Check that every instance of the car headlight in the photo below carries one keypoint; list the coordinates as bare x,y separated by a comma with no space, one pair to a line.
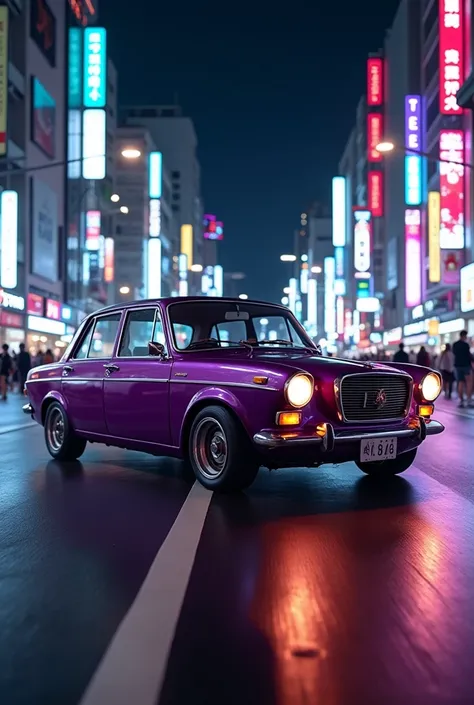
430,387
299,390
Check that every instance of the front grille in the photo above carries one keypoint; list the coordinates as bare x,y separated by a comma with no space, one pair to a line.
374,397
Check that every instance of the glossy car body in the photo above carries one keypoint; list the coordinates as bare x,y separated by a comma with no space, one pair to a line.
148,398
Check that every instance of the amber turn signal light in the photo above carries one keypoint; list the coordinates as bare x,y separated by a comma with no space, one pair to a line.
425,410
260,380
288,418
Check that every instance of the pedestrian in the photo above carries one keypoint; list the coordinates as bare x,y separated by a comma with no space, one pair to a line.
48,357
24,366
401,355
463,369
412,357
5,371
423,358
446,367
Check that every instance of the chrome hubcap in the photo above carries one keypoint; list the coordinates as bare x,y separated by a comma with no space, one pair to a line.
55,430
209,448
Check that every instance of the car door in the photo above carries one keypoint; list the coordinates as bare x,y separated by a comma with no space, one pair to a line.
136,386
83,374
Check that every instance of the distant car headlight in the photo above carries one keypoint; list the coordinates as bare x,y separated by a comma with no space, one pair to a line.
299,390
430,387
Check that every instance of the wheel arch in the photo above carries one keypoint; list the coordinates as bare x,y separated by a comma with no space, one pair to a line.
49,399
202,402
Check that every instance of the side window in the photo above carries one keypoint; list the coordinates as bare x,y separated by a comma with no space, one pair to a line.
105,333
141,327
83,349
230,330
183,335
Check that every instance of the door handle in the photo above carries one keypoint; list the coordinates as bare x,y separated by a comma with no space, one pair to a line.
67,369
109,368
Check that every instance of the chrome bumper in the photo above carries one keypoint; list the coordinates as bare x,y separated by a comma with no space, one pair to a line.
27,409
331,439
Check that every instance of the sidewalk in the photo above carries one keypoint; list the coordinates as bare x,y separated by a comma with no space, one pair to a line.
451,407
11,414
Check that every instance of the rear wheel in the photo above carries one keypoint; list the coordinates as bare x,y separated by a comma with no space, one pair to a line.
61,441
388,468
220,452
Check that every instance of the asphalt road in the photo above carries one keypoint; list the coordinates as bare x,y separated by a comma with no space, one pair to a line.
121,583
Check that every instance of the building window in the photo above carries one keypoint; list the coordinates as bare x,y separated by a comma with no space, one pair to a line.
176,185
430,20
176,196
175,174
175,208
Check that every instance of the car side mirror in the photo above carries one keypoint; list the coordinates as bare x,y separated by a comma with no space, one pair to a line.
156,349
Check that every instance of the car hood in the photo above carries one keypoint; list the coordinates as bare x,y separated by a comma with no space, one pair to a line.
324,368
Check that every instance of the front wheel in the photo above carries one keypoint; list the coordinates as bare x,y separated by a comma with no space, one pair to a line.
61,441
220,452
387,468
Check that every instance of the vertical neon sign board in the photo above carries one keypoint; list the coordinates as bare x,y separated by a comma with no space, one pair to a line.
451,55
374,81
329,295
413,162
412,257
374,136
95,67
375,193
362,240
451,186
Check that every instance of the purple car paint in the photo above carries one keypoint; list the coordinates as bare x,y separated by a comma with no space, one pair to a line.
209,380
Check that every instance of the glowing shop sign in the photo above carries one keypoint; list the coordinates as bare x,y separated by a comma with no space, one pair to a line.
155,174
154,229
329,295
467,288
93,144
413,162
374,81
451,184
339,217
9,239
374,136
95,67
434,254
412,257
451,55
362,240
375,193
93,231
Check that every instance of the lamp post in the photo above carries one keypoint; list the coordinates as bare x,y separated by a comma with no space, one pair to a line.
387,147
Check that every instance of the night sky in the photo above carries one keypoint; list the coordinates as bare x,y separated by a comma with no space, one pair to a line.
272,95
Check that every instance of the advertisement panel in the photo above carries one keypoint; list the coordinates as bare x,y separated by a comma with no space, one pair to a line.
467,288
74,137
451,55
412,257
413,162
109,260
43,118
95,67
3,79
362,239
375,193
187,242
53,309
75,68
434,254
9,239
413,180
392,264
374,81
44,230
339,258
451,264
43,29
93,144
329,295
374,136
93,226
155,174
35,304
451,185
339,212
154,217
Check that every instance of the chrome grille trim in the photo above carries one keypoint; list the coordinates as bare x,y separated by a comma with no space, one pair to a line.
370,382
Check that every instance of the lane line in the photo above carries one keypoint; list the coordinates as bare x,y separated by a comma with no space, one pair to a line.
133,668
19,427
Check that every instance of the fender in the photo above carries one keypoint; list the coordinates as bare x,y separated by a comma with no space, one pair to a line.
56,396
219,395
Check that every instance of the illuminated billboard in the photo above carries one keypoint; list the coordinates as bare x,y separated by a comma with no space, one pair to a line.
109,260
75,68
329,295
155,174
93,231
9,239
339,216
374,136
154,217
93,144
412,257
339,257
434,255
375,193
451,186
95,67
362,239
154,268
374,81
213,228
187,242
467,288
413,162
451,55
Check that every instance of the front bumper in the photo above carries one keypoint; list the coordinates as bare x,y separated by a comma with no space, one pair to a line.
329,439
28,409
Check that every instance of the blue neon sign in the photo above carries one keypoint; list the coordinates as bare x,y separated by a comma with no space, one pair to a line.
75,68
413,180
95,67
155,173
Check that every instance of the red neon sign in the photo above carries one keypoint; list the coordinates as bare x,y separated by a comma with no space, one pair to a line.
374,82
374,136
109,260
451,55
53,309
375,192
451,188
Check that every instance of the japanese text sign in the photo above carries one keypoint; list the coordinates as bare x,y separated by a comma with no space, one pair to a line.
451,55
95,67
451,186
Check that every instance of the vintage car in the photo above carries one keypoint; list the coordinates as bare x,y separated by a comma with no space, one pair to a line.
229,386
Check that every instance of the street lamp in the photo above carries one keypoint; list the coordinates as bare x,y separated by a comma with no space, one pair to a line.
243,296
131,153
124,209
288,258
385,147
196,268
115,198
316,270
388,146
124,290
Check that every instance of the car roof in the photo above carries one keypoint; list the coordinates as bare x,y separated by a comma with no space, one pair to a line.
182,299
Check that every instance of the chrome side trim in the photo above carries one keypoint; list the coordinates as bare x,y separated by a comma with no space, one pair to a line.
337,390
44,379
215,383
136,379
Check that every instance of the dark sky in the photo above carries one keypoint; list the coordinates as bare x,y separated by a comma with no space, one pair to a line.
272,94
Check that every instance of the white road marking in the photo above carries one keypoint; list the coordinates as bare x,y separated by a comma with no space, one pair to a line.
134,666
18,427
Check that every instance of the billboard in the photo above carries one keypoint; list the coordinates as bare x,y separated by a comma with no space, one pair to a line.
374,81
93,144
375,193
451,55
43,118
43,29
155,174
467,288
154,217
374,136
362,239
451,265
9,239
44,230
339,215
451,186
95,67
3,79
412,257
153,268
434,255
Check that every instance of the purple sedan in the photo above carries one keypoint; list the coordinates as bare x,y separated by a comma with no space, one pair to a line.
228,385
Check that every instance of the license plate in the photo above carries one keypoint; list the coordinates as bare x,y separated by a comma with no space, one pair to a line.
373,450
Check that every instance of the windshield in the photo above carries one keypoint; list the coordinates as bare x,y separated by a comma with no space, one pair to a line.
211,324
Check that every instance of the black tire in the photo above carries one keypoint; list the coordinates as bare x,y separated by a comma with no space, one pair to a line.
220,452
388,468
61,441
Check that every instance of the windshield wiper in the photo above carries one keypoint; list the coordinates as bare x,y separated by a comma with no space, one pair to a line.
316,350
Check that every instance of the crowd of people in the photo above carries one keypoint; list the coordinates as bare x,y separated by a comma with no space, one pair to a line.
14,367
